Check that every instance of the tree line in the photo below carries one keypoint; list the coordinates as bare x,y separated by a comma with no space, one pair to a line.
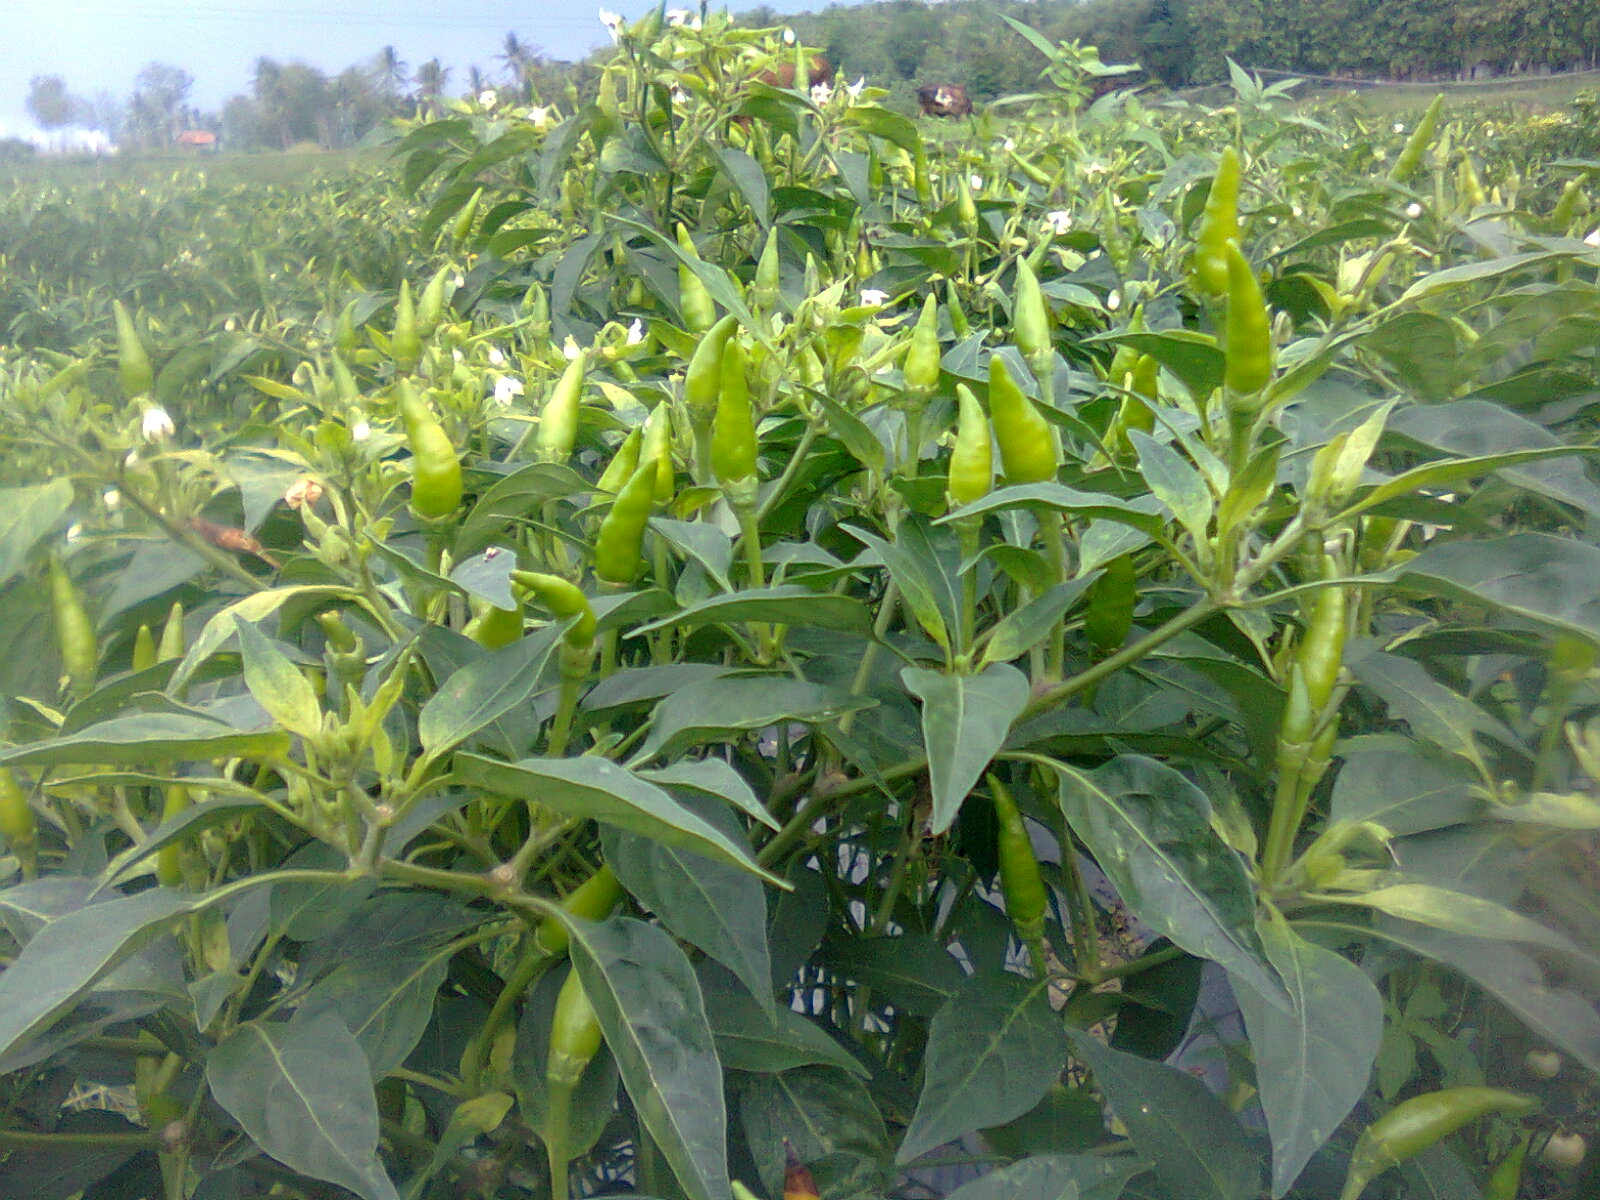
897,44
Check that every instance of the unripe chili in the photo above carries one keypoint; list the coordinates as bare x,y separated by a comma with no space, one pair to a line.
462,229
1219,225
133,361
1505,1181
695,304
1112,597
767,272
144,650
959,325
1420,1122
435,466
19,825
618,549
656,449
1410,156
1566,208
75,636
172,644
967,208
564,599
558,421
430,307
1321,651
496,627
702,380
1030,315
575,1038
169,859
921,368
623,463
733,438
1020,882
405,344
972,457
593,900
1247,337
1028,451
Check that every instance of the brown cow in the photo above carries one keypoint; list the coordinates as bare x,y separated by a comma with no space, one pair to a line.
820,70
945,100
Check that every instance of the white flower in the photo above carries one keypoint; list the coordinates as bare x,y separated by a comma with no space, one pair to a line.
488,98
74,531
303,493
1594,238
679,96
1009,145
677,16
1296,210
460,280
230,324
360,431
1399,126
821,93
506,389
457,356
872,296
570,349
613,23
1413,210
497,357
788,37
636,332
538,115
1092,169
156,425
1059,221
113,499
975,182
855,89
1114,301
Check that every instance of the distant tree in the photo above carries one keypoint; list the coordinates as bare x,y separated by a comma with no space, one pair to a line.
391,75
430,79
520,58
51,105
156,108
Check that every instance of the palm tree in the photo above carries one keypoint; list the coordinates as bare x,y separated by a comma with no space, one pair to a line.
430,80
390,74
519,57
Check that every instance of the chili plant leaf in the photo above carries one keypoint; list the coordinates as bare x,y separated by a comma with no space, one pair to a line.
965,719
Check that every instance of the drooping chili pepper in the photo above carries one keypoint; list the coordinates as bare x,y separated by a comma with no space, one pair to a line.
1112,597
1469,188
405,343
558,420
169,859
1030,317
733,437
972,456
921,368
1410,156
1414,1125
172,643
593,900
1247,336
1020,882
618,548
19,825
435,466
144,650
1028,451
563,598
698,309
1505,1181
75,636
623,463
133,361
575,1038
496,627
1219,225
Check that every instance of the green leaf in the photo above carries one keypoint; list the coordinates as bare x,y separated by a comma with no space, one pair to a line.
1197,1148
1477,272
1150,830
385,1000
151,737
994,1049
649,1004
596,789
253,609
750,178
768,1043
911,970
1434,712
1313,1061
1053,1177
1457,912
1546,578
302,1091
787,604
199,817
511,499
1403,785
831,1118
1024,628
1142,512
27,516
925,587
712,777
965,720
1175,483
1194,359
714,709
277,684
486,689
719,909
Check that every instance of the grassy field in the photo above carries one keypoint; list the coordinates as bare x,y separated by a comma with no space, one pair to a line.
289,166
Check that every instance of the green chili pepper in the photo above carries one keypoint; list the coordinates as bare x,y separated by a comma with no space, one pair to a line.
496,627
966,208
19,825
1030,317
1505,1181
593,900
1219,225
657,449
345,337
144,650
558,421
435,466
921,369
133,361
575,1038
1561,216
618,549
1112,597
75,636
1469,188
405,344
1321,651
623,463
959,325
1247,337
563,598
1410,156
694,301
1420,1122
430,307
1028,451
702,380
171,645
767,272
462,229
733,438
169,859
972,456
1020,881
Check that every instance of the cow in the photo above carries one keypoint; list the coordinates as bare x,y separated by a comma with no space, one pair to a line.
945,100
818,71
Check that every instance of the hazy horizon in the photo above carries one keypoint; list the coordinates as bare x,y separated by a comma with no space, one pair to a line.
101,45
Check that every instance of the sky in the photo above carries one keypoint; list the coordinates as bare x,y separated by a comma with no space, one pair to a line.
100,45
